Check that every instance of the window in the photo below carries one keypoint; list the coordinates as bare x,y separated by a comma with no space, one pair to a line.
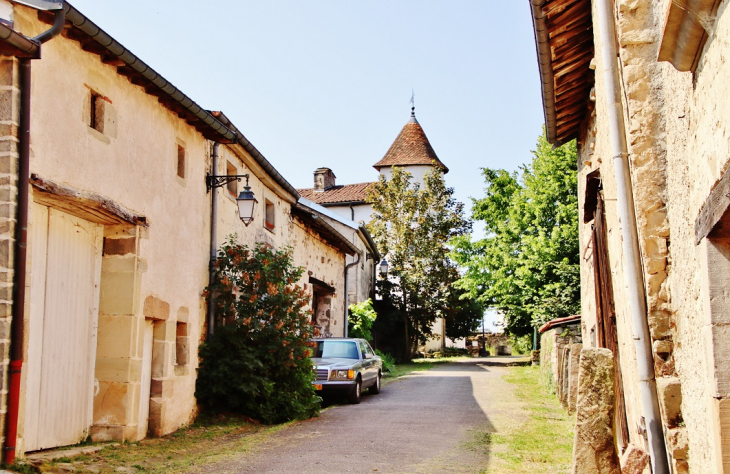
96,112
181,345
181,161
270,215
232,185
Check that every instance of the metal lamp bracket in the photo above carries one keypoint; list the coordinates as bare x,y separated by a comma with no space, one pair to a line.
212,182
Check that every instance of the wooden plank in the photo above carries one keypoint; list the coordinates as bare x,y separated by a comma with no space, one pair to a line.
713,220
72,272
37,295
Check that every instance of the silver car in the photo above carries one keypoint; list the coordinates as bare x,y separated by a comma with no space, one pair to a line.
346,365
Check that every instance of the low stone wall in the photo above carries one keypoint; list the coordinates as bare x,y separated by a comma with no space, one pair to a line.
559,358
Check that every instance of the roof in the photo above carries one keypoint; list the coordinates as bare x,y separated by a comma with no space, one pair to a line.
556,323
345,194
564,38
324,229
411,147
212,125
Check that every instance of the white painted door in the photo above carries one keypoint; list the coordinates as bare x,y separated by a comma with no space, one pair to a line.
64,302
144,393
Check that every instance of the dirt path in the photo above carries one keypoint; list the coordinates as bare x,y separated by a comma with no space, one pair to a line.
426,422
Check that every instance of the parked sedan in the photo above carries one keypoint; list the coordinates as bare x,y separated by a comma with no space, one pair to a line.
346,365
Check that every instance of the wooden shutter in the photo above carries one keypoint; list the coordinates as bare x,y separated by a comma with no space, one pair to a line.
607,336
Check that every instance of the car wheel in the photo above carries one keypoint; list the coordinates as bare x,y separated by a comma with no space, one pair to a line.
375,388
354,395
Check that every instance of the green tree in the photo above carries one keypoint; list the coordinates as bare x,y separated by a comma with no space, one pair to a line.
257,361
412,225
528,265
361,319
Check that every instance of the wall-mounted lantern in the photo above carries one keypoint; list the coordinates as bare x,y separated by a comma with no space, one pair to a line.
246,199
383,267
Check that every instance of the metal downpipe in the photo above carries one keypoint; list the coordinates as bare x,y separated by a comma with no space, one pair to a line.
17,325
347,310
213,237
630,244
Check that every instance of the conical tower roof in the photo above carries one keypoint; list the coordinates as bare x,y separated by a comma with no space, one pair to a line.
411,147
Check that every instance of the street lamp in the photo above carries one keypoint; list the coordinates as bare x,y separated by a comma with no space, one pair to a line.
246,199
383,267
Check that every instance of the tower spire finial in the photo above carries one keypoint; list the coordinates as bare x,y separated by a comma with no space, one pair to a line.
413,103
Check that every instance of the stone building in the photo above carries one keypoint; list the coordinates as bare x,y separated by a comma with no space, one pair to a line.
120,219
641,85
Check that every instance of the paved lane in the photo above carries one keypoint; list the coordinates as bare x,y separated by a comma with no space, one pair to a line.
426,422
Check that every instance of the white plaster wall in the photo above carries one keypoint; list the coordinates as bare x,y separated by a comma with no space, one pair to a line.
417,171
363,212
137,169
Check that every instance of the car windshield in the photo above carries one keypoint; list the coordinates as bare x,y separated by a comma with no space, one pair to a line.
336,349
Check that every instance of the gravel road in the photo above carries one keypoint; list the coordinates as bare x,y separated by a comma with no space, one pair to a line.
426,422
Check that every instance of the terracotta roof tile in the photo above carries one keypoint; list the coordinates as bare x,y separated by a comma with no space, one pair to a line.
338,194
411,147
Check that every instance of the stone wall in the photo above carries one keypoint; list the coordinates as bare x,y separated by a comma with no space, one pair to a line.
559,357
9,118
677,128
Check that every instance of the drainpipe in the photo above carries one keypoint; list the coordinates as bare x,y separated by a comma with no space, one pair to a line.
347,310
625,204
17,325
213,235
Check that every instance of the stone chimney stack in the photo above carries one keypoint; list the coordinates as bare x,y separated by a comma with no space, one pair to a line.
324,179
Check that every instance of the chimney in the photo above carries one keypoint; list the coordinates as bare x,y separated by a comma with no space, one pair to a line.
324,179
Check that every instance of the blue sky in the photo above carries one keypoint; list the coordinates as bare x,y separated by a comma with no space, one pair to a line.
328,83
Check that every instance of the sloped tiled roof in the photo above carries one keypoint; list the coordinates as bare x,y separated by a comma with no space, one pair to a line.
349,193
411,147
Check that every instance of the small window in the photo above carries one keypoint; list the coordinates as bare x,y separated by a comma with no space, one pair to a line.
270,222
181,345
181,161
96,115
232,185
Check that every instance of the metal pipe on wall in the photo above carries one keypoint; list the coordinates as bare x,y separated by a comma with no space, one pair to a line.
347,310
632,257
17,325
213,237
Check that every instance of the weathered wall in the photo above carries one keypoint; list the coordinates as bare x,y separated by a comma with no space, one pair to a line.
133,163
697,116
9,119
321,261
677,129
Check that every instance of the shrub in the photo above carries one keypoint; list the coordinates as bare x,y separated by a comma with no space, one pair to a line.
388,361
257,362
361,319
521,344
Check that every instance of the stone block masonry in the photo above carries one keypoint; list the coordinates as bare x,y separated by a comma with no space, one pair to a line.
9,120
594,451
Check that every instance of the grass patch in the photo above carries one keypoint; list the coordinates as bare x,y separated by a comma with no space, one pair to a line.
543,443
210,439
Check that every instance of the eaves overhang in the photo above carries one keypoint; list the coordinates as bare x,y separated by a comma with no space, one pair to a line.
324,229
564,40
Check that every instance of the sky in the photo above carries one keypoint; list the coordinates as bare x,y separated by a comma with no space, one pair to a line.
328,82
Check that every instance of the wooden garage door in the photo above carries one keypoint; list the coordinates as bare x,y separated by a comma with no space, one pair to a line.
64,301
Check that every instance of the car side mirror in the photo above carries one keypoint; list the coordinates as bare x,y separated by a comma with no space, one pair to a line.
368,356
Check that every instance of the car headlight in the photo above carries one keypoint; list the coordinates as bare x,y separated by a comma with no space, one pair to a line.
342,374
